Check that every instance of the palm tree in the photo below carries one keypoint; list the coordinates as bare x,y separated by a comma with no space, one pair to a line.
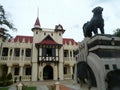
4,21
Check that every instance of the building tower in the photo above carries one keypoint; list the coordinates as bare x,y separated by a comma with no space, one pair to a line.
47,59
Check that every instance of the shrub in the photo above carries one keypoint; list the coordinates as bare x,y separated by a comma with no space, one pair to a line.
9,76
10,82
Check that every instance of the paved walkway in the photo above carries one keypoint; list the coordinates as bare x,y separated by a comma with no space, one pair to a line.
12,88
44,85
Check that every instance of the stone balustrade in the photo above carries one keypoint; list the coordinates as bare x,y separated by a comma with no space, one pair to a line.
26,78
23,78
4,57
67,76
14,58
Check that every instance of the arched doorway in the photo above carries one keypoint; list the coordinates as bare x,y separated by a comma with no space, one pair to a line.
48,73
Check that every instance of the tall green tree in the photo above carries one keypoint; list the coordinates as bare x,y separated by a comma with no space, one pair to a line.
117,32
4,21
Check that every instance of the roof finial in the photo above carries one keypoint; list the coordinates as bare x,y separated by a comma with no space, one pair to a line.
38,12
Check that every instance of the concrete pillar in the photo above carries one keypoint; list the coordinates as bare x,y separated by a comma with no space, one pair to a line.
57,86
19,86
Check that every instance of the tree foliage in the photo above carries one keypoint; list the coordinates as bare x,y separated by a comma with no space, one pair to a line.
4,21
117,32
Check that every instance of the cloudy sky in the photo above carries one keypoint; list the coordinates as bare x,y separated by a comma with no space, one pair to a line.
72,14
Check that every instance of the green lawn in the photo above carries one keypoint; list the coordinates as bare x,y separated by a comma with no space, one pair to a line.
4,88
29,88
25,88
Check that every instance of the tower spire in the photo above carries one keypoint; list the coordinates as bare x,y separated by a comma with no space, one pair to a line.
37,22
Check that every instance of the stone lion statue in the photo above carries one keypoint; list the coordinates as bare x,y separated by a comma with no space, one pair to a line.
95,23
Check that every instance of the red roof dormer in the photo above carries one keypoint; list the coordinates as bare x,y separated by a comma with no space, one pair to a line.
59,28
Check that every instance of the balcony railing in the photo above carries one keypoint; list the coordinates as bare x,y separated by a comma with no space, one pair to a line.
49,59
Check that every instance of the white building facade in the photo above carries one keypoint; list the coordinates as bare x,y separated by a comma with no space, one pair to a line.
44,56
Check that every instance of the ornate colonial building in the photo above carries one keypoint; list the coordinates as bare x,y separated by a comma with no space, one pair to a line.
44,56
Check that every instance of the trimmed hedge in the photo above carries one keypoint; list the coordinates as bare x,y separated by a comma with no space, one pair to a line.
29,88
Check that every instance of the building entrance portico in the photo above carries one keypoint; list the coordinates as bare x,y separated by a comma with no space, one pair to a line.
48,73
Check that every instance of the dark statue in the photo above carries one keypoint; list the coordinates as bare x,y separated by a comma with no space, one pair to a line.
85,75
113,80
95,23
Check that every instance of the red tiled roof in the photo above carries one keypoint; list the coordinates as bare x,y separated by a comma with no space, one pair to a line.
68,41
26,39
44,41
37,23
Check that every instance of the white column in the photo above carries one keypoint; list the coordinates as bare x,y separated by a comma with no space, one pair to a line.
23,54
34,71
69,54
21,70
40,51
61,71
12,54
71,71
55,72
40,73
8,53
56,51
60,64
20,54
1,51
72,55
9,69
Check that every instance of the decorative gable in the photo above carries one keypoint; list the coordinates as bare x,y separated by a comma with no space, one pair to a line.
48,41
